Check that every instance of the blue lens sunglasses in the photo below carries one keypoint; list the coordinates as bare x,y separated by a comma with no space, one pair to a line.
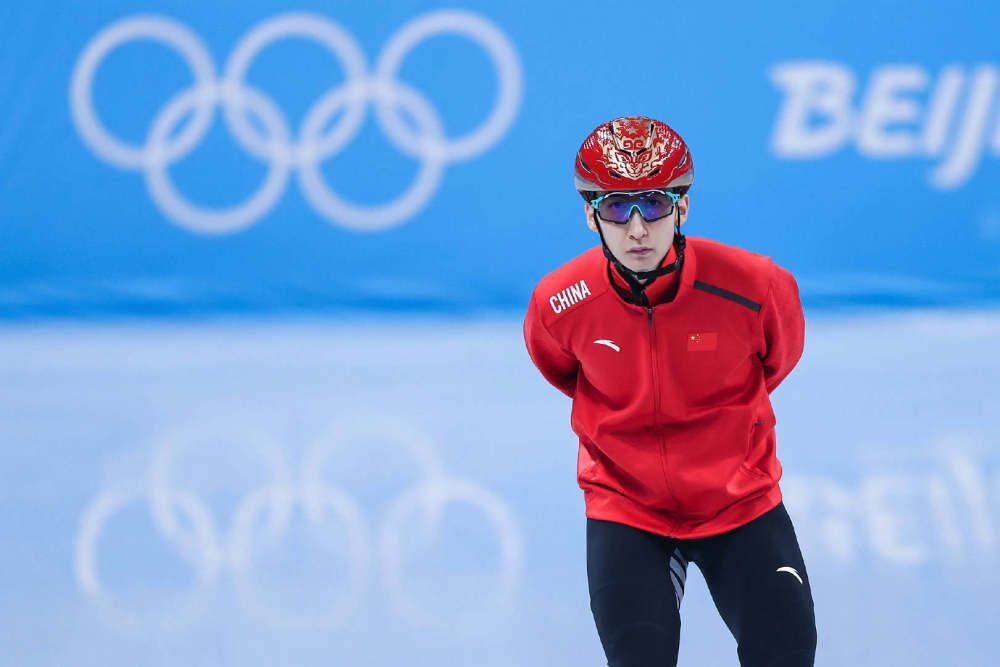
616,207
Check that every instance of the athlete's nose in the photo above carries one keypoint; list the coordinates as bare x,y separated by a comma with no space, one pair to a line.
636,227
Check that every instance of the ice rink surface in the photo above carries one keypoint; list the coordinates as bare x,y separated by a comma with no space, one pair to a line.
392,491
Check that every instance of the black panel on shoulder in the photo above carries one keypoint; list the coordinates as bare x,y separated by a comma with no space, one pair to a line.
726,294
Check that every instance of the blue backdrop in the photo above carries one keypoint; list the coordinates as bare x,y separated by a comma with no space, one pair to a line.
217,157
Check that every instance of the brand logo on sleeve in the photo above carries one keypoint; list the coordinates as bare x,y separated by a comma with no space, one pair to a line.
570,296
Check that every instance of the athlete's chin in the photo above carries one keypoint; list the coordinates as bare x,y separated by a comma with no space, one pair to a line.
637,264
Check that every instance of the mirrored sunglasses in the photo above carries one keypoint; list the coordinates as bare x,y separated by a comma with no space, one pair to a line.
616,207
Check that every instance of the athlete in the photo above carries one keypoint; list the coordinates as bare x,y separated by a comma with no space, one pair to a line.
669,347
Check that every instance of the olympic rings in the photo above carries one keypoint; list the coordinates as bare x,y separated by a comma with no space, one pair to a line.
262,519
275,143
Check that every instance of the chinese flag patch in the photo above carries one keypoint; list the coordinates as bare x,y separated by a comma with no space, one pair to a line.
702,342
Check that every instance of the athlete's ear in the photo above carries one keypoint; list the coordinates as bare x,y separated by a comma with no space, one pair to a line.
683,206
588,211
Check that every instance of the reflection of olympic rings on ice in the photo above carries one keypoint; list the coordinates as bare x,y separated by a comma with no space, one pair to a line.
275,145
262,517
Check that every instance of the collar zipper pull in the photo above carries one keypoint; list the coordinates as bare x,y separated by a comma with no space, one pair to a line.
649,313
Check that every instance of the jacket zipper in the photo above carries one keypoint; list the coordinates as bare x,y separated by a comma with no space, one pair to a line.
656,402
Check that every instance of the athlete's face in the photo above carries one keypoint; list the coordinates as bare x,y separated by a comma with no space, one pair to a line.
638,244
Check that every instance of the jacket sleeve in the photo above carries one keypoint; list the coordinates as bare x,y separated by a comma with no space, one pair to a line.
557,365
784,327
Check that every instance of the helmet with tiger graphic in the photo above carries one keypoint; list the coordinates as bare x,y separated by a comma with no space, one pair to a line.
634,153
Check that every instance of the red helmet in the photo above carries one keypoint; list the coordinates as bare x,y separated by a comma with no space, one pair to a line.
633,153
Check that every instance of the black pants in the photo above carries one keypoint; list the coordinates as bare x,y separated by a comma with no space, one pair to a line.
754,573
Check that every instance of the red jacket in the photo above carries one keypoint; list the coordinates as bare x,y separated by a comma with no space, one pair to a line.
671,402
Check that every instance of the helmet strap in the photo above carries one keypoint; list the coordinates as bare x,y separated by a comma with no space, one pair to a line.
633,278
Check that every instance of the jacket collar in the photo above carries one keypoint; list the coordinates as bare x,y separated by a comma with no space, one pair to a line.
666,288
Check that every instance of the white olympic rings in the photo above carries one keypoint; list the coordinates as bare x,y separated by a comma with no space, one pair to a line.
262,517
170,140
